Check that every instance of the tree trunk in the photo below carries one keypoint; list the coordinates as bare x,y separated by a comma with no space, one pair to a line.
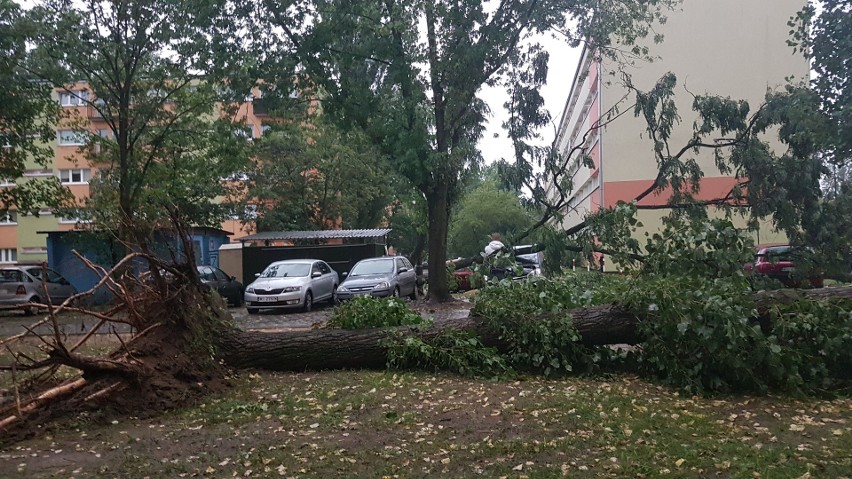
335,349
439,219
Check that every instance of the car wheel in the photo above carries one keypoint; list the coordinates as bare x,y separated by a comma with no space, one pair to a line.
252,310
334,299
396,292
309,302
31,310
238,299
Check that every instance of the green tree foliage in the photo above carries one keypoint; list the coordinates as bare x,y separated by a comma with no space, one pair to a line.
822,31
409,74
409,223
365,312
482,211
312,175
780,183
27,117
163,76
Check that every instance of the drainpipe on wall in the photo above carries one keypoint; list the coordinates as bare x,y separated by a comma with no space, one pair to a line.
600,132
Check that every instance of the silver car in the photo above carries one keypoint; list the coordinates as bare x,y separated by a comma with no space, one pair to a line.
297,283
385,276
22,285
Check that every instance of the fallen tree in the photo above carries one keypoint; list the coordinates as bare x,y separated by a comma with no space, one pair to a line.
334,349
182,336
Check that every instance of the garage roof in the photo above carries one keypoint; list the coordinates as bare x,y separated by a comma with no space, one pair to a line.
319,234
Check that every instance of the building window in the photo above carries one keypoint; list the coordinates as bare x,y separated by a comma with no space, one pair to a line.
73,98
73,220
246,132
9,218
8,255
38,173
71,137
76,176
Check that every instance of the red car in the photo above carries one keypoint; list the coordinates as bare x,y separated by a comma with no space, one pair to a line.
777,262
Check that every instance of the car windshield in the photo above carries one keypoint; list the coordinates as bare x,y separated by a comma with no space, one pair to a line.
382,266
286,270
11,276
781,254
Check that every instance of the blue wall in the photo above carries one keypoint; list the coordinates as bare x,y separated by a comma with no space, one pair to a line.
106,254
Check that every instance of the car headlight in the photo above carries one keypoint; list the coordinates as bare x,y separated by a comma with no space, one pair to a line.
250,290
384,285
342,289
290,289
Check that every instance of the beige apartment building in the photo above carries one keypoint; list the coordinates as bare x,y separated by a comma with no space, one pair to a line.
734,48
22,237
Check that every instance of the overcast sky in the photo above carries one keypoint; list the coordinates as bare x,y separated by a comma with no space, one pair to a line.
562,65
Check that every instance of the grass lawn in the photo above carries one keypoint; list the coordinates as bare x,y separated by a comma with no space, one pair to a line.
375,424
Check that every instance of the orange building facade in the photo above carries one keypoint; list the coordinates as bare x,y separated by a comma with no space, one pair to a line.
21,236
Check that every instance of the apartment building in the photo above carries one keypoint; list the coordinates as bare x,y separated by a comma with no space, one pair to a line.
734,48
22,237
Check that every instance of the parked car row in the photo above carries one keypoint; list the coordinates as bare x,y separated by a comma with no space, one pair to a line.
300,283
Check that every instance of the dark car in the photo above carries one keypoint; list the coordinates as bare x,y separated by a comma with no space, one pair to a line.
780,263
384,276
227,286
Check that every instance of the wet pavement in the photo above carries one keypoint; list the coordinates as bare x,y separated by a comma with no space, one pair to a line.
13,322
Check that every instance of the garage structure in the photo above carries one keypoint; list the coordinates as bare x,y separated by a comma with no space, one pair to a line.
341,249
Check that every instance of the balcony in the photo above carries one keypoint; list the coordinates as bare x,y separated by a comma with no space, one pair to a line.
94,113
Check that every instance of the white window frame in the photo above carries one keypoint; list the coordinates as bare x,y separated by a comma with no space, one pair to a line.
73,138
8,255
85,176
73,221
34,250
38,173
72,98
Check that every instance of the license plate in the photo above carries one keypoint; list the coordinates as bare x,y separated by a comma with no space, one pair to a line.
268,299
788,269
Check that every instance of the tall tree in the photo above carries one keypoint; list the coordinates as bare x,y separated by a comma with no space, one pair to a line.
484,210
311,175
409,74
26,120
822,31
161,75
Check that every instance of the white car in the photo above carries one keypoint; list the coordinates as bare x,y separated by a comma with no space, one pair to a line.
292,284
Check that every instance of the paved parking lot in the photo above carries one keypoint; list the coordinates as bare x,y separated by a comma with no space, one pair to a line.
14,322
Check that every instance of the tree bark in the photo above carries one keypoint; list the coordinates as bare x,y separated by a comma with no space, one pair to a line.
439,220
336,349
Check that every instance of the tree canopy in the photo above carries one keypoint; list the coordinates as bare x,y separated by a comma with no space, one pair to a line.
409,74
27,118
161,76
312,175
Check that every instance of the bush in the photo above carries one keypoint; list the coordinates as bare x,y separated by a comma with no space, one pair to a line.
531,319
452,350
369,312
